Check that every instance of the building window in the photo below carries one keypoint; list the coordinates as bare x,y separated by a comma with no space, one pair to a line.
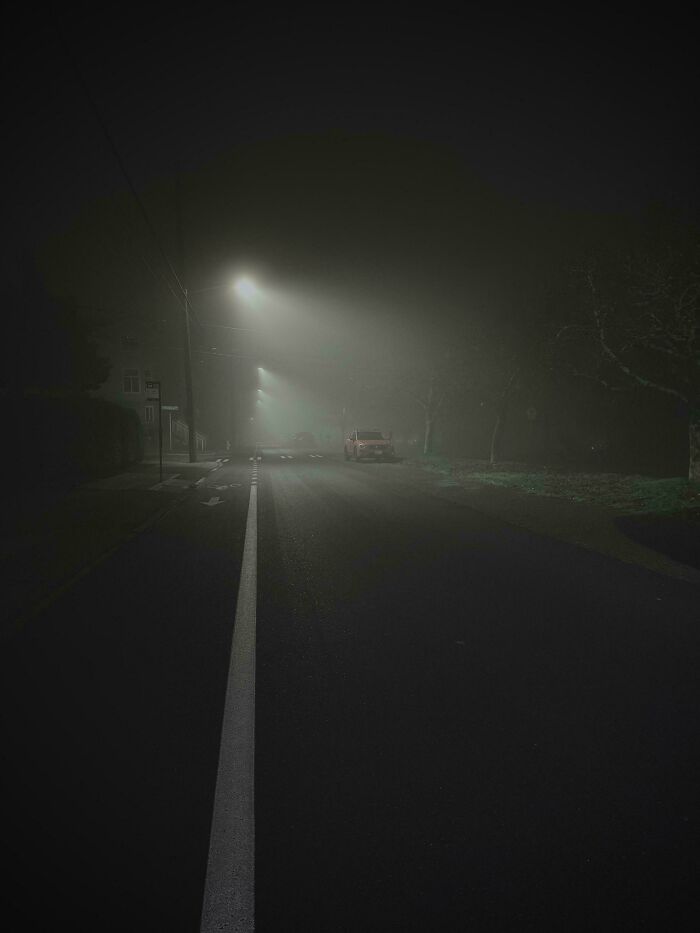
131,381
148,414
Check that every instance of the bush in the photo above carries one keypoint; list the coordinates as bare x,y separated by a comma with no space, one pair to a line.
74,438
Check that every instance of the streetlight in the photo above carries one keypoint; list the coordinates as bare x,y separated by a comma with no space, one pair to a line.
245,288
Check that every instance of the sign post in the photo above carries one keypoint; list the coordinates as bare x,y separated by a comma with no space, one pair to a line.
170,409
154,386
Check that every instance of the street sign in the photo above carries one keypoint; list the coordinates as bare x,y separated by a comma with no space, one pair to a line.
153,385
170,407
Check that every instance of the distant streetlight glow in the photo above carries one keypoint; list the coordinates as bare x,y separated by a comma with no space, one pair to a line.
246,289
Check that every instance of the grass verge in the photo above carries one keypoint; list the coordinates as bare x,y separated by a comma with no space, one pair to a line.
604,509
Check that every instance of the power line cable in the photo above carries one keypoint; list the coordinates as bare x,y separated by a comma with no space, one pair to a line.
132,253
184,300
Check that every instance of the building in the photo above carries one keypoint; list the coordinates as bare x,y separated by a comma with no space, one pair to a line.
141,352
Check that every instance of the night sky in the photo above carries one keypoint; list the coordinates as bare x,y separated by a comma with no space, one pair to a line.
411,168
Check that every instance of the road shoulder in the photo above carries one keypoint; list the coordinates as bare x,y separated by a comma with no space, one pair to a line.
582,523
47,545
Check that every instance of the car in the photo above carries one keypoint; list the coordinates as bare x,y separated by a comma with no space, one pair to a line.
368,445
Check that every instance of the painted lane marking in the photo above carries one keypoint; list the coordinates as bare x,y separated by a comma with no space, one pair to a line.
229,890
215,500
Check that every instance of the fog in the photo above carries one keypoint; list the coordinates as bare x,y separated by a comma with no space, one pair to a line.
410,224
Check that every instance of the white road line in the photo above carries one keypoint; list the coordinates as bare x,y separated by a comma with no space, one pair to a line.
229,891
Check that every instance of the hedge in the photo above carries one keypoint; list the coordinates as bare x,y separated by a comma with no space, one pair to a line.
74,437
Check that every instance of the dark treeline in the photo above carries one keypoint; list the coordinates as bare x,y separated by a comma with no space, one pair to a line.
596,365
50,365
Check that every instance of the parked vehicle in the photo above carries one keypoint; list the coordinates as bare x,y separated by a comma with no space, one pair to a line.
368,445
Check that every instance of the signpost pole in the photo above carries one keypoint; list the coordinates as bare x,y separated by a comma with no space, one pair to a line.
150,386
160,432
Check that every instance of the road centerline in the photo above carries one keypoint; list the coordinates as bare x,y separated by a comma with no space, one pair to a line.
229,890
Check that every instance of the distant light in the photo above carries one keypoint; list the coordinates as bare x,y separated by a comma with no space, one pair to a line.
246,289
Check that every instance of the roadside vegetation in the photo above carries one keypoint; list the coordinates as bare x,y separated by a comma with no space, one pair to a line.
629,494
610,512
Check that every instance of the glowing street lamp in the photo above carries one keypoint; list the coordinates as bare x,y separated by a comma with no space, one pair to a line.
246,289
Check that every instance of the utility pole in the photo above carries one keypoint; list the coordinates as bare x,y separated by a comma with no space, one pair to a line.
192,435
189,395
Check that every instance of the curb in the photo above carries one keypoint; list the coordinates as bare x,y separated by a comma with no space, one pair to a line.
629,551
35,609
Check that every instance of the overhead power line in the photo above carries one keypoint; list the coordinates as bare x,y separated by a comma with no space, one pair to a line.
183,298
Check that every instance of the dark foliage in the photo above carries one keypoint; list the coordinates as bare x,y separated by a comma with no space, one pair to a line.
47,344
74,438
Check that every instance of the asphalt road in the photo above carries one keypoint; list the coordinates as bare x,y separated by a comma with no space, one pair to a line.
459,724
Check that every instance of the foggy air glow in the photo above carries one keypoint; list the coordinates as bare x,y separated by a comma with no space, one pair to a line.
246,289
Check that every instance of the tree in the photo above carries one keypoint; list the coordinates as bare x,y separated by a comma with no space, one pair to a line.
502,406
434,382
637,321
512,358
48,345
485,362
